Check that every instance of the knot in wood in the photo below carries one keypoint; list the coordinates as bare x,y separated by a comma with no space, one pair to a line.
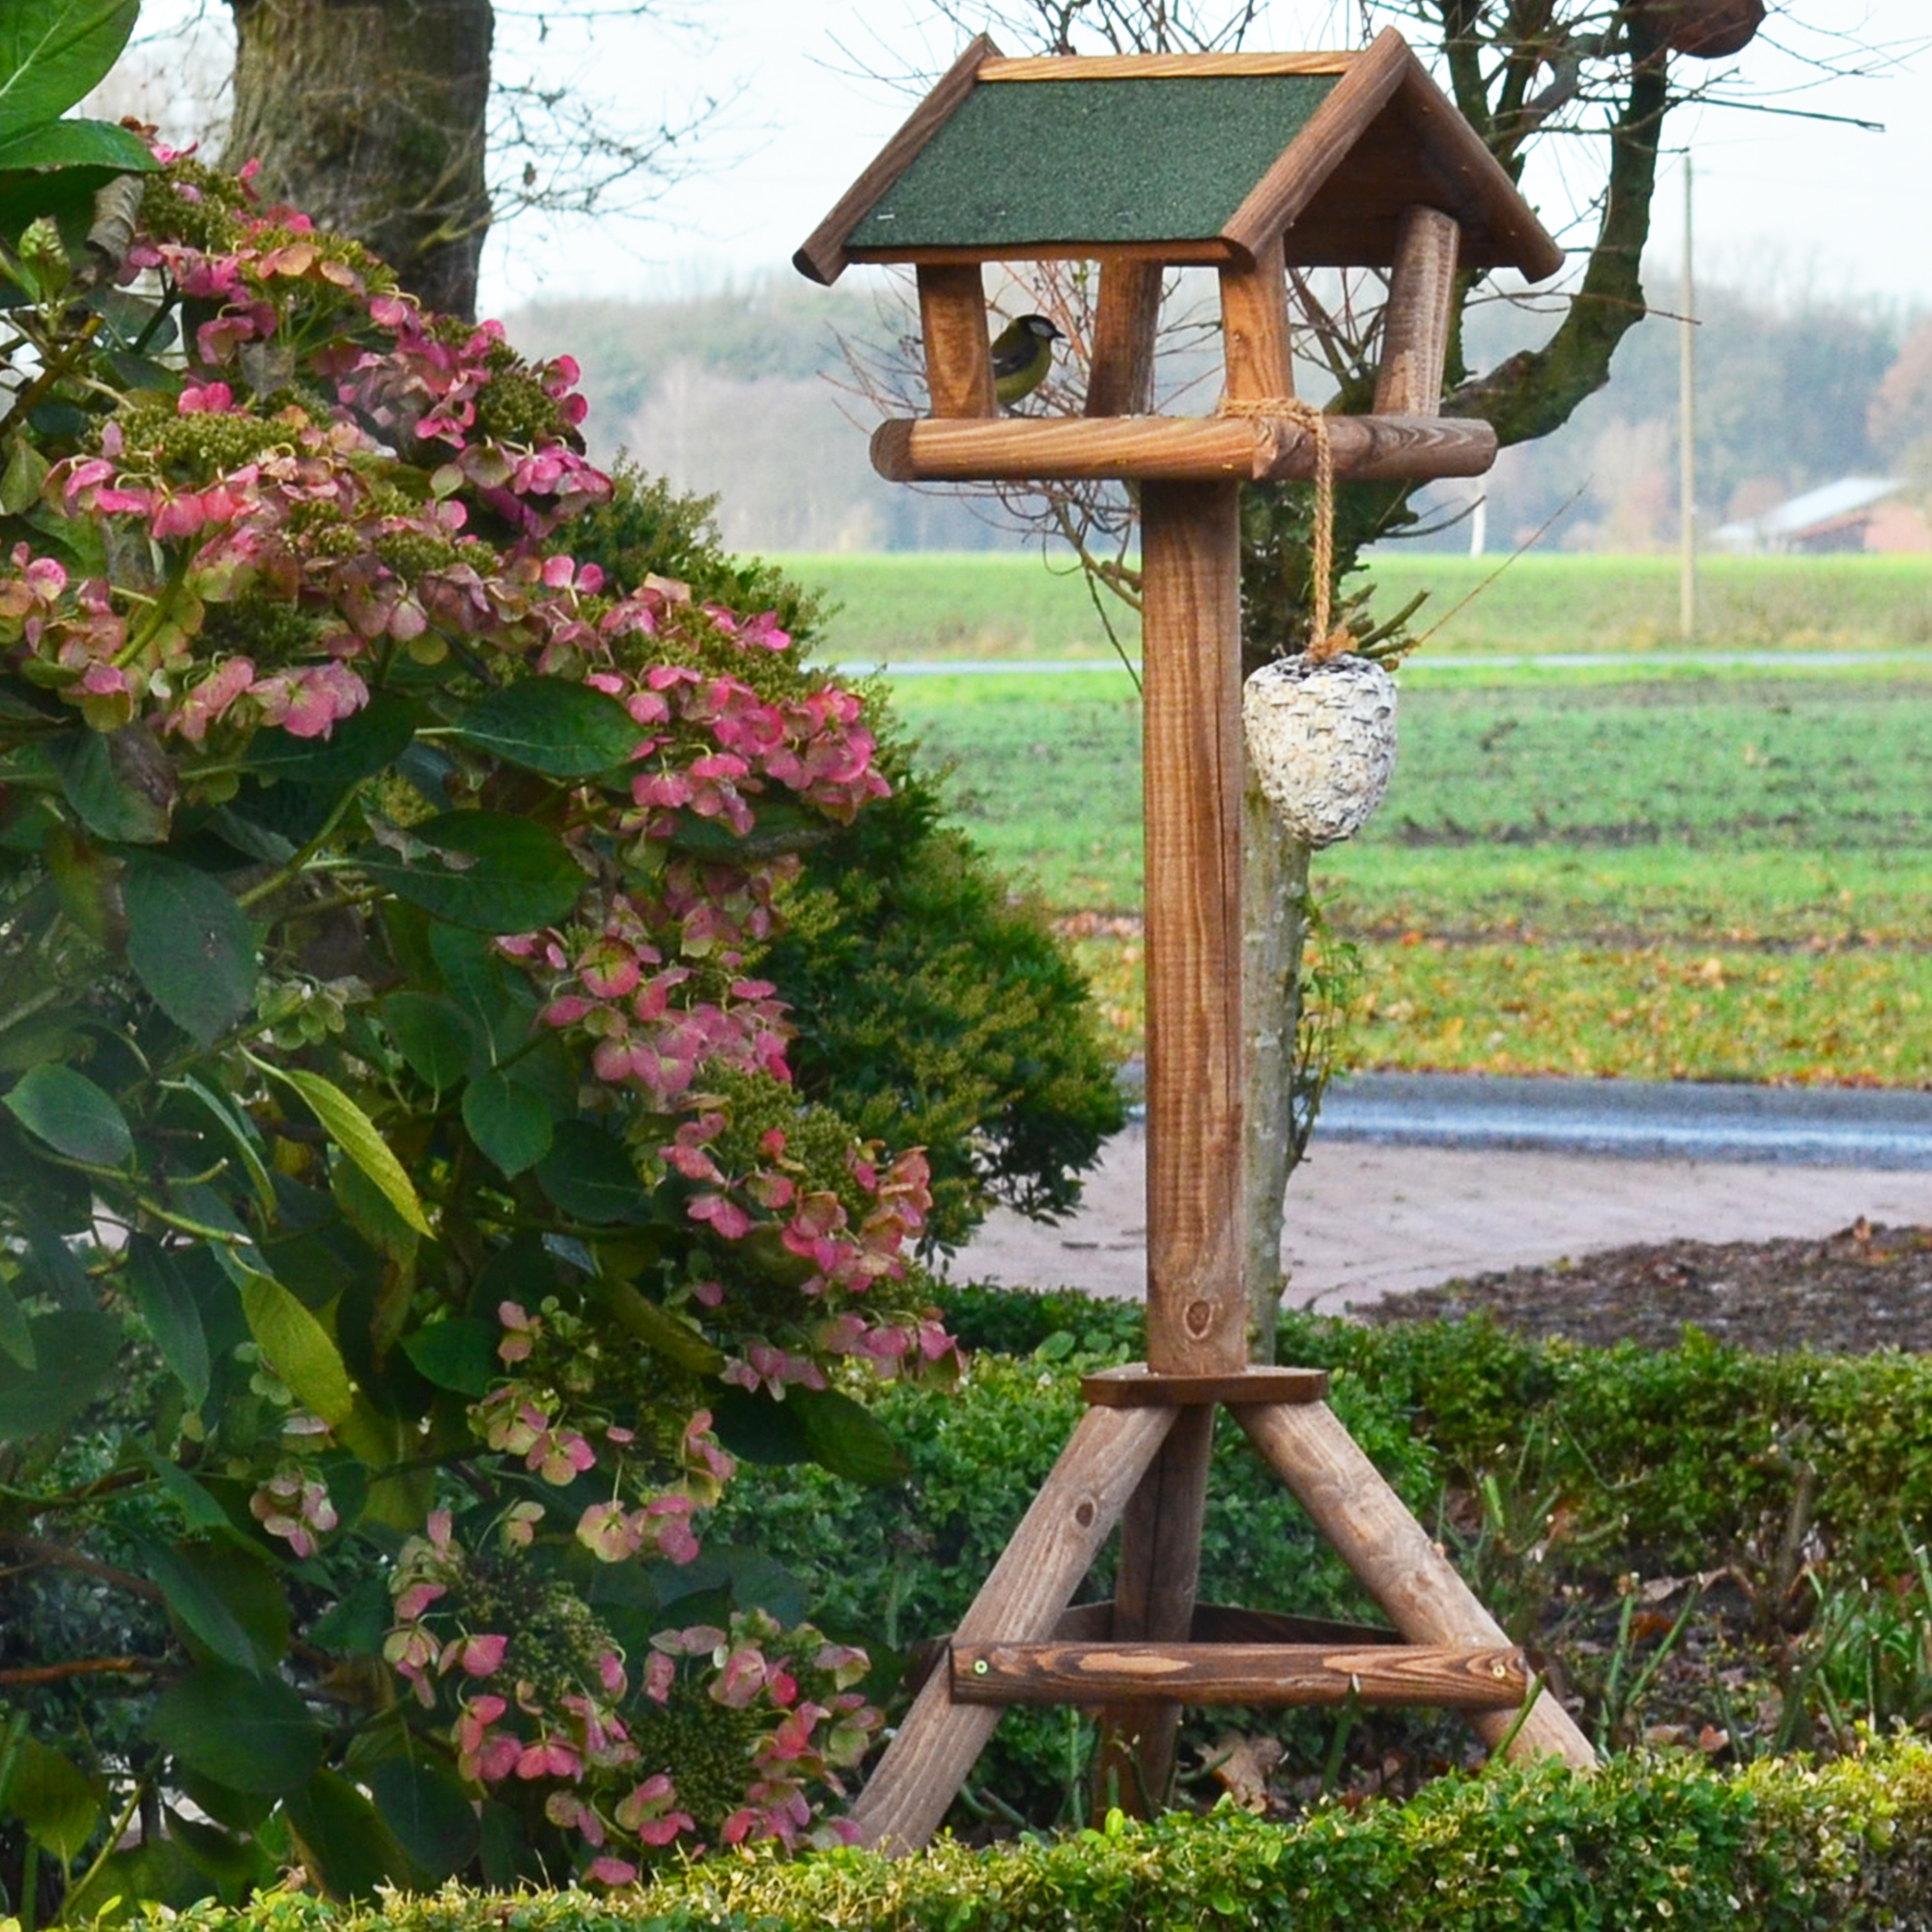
1198,1318
1083,1512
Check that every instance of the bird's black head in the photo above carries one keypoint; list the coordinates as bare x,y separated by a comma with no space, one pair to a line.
1038,324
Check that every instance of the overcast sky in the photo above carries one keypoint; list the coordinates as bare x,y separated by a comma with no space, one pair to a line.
1776,194
1782,196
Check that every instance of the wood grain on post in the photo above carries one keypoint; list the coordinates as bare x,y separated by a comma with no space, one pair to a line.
1125,321
1032,1583
1375,1534
958,356
1377,1676
1192,768
1415,324
1254,329
1157,67
1178,449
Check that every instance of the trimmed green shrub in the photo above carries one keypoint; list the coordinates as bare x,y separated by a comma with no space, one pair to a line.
1645,1842
934,1006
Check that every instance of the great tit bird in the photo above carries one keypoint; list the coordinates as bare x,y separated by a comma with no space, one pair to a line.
1022,355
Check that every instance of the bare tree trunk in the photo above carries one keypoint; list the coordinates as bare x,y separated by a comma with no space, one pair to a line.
1274,883
371,116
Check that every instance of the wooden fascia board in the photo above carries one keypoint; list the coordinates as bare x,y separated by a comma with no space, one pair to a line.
1160,67
1211,253
1486,199
1372,79
823,256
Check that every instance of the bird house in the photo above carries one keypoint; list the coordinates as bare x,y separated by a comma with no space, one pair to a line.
1248,164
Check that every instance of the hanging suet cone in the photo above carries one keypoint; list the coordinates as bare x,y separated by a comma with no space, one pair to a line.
1320,742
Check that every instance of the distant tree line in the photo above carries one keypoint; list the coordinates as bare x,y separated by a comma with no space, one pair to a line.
1797,385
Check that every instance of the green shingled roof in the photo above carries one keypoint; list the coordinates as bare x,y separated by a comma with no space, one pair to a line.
1028,163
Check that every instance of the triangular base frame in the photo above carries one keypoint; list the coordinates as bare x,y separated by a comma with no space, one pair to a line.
1018,1644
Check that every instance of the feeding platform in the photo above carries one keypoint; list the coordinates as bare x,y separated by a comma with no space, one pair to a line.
1253,166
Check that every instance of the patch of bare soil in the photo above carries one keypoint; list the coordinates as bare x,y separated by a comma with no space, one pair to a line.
1862,1288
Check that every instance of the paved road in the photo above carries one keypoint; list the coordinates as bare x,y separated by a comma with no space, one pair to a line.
1368,1217
1817,1126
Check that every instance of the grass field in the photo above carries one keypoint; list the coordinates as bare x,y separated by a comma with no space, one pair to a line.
894,608
1720,875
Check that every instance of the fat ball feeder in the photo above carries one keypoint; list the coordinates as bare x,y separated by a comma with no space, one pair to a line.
1250,164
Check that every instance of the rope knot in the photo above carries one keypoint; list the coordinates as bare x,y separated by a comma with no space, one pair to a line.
1324,640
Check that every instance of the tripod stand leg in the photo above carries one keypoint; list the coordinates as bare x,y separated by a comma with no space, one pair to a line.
1153,1597
1372,1530
1034,1580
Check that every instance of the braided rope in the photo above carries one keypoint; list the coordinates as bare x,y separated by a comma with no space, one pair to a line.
1324,643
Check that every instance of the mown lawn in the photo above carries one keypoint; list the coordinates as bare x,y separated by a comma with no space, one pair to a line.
894,608
1717,876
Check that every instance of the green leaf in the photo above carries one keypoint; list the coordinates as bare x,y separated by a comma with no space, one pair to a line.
484,870
226,1597
119,783
16,1337
74,1116
56,1801
429,1811
236,1864
68,144
189,944
656,1327
172,1314
344,1841
354,1133
247,1139
459,1354
54,51
433,1035
847,1438
25,471
507,1121
550,724
756,1429
304,1354
359,746
77,1350
299,1350
199,1509
590,1175
252,1734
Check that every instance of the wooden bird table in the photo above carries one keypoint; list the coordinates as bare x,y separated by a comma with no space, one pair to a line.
1250,164
1139,1457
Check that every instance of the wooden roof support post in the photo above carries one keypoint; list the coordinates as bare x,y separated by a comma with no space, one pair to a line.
1254,329
1125,319
1415,324
958,358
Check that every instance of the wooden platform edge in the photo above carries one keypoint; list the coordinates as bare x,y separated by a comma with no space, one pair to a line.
1136,1386
1177,449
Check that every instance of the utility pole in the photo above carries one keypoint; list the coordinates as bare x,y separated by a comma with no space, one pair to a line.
1687,432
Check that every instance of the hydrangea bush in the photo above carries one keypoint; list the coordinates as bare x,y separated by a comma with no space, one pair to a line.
408,1211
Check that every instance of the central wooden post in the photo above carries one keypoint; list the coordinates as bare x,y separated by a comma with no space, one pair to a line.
1192,765
1197,1294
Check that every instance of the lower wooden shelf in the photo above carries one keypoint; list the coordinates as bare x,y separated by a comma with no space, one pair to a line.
1276,1675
